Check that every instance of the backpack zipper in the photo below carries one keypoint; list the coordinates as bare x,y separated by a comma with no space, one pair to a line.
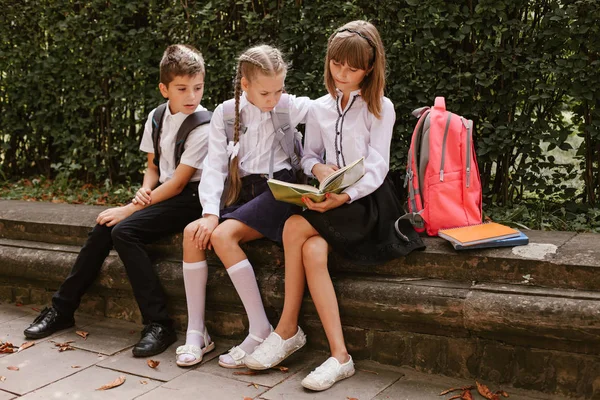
444,146
469,127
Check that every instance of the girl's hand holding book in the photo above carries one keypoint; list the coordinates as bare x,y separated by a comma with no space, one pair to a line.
322,171
332,201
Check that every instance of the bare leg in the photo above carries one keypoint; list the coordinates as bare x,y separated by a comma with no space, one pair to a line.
314,254
226,240
295,233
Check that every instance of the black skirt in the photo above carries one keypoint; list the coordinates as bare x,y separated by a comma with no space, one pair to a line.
363,231
257,208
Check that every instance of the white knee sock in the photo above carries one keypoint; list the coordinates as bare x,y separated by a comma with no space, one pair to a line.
243,279
195,276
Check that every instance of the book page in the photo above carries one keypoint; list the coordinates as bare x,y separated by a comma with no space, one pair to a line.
348,174
301,188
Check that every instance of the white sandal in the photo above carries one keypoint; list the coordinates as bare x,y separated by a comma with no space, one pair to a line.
238,354
194,350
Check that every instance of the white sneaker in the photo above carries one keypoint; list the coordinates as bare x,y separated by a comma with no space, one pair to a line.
328,373
274,350
236,355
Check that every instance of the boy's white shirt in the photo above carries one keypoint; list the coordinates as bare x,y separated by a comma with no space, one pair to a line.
362,134
194,150
254,152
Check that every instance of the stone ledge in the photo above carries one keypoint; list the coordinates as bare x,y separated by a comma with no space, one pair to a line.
564,259
522,315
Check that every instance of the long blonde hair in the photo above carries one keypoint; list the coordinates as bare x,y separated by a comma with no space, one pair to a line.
262,59
359,45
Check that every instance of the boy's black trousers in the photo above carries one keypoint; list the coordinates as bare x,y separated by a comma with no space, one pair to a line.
129,238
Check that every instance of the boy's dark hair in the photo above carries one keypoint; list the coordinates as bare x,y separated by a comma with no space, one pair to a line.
180,60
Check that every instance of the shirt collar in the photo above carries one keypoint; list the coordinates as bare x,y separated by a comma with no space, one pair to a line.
181,115
354,93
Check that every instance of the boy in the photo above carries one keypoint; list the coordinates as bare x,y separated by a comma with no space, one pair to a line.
165,204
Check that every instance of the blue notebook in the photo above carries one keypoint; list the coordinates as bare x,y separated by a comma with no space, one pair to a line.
520,240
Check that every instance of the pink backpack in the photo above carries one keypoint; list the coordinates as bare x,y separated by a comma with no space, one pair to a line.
444,186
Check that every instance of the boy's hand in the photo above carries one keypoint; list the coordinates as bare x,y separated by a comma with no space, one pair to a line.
322,171
204,227
142,197
332,201
114,215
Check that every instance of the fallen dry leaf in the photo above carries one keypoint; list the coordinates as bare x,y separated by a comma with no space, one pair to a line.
466,395
64,346
503,393
83,334
455,389
245,373
2,378
12,368
153,363
351,398
36,309
247,398
144,382
253,384
281,368
25,345
485,392
117,382
75,366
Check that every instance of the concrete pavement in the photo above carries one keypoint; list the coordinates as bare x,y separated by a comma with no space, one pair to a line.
105,355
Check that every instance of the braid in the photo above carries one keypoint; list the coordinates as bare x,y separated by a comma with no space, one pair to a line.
235,183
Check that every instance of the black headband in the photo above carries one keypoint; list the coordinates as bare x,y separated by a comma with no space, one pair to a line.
361,35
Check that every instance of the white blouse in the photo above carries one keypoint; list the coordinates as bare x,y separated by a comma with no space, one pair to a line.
194,150
254,152
339,137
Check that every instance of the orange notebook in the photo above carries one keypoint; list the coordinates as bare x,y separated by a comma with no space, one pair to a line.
476,234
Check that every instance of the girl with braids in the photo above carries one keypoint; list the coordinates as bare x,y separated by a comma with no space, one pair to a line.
353,120
244,157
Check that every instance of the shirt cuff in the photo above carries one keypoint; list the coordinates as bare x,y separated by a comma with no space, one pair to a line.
190,162
146,149
352,193
211,209
309,166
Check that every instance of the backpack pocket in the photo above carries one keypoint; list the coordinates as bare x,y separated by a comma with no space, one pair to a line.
440,201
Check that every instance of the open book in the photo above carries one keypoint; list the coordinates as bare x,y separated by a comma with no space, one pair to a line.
334,183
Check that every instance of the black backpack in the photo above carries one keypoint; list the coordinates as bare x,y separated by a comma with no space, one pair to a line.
193,121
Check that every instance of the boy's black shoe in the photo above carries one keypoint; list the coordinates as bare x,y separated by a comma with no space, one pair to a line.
48,322
155,339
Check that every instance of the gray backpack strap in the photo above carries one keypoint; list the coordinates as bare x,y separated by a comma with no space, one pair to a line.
285,134
229,118
191,122
157,121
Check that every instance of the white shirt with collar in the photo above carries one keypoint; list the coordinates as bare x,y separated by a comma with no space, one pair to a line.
194,150
343,136
255,148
